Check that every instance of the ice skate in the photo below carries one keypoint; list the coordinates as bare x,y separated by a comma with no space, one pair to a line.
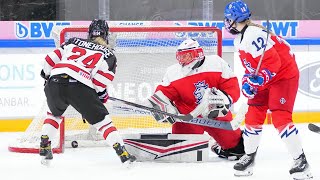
300,169
244,167
125,157
45,150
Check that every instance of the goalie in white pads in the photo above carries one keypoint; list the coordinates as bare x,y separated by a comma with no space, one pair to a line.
78,74
271,86
204,86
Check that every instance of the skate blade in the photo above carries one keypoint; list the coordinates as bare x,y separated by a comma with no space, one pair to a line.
247,172
302,175
46,162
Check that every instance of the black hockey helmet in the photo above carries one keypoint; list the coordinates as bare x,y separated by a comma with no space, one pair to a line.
98,28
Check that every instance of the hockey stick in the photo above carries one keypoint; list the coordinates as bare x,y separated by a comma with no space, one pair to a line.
314,128
264,50
232,125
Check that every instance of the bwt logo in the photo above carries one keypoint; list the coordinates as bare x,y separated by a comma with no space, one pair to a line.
36,30
309,84
199,24
283,28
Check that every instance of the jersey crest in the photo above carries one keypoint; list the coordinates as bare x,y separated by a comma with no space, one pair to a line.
200,86
248,66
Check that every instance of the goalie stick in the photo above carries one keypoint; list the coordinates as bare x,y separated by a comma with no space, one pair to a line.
314,128
232,125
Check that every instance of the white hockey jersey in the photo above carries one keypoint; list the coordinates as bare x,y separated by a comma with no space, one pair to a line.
91,64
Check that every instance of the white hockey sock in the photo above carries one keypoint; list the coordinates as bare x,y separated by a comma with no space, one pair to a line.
291,138
108,131
251,138
50,126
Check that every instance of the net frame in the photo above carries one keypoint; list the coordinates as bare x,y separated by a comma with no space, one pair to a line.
153,29
59,36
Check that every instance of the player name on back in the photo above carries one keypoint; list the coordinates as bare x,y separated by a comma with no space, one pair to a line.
92,46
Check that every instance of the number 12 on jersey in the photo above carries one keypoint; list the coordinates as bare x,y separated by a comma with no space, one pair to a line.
259,43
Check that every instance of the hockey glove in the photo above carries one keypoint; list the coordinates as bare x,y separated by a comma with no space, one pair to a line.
248,91
261,79
218,103
161,102
103,96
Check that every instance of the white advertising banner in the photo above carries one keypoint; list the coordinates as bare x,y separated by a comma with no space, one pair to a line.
21,87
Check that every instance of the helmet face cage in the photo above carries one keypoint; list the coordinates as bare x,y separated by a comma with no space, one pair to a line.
187,56
228,24
98,28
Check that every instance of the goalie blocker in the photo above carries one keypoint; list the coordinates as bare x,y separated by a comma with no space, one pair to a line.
168,147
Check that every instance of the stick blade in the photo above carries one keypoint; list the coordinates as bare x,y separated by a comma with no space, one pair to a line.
314,128
187,117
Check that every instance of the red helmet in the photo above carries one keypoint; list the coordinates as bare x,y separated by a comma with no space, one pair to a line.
189,51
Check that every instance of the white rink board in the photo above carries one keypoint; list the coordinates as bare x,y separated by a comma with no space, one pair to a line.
21,86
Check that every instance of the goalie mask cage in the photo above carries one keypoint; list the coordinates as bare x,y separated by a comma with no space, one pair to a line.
143,54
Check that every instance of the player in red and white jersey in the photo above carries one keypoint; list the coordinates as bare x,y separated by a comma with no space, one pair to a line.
183,90
274,87
78,74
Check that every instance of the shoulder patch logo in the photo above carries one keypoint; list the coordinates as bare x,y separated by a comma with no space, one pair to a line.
248,66
200,86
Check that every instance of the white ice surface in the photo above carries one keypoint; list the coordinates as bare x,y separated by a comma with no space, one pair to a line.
272,162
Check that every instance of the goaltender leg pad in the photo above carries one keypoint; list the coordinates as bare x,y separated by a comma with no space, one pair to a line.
168,147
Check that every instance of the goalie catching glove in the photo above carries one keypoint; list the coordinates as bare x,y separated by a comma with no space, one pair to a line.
215,103
161,102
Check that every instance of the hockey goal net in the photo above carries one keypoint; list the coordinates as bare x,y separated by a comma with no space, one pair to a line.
143,54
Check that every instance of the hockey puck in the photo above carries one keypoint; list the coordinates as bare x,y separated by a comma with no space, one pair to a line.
314,128
74,144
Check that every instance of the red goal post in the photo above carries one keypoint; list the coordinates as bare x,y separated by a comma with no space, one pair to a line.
143,54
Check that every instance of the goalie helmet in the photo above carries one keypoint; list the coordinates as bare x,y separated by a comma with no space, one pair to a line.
189,51
98,28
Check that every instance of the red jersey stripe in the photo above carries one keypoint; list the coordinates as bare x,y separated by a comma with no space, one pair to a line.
50,61
97,83
106,75
58,53
70,66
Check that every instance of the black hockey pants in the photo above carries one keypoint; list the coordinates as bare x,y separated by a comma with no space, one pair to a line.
62,91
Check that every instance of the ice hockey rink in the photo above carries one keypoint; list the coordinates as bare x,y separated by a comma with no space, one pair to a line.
272,162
